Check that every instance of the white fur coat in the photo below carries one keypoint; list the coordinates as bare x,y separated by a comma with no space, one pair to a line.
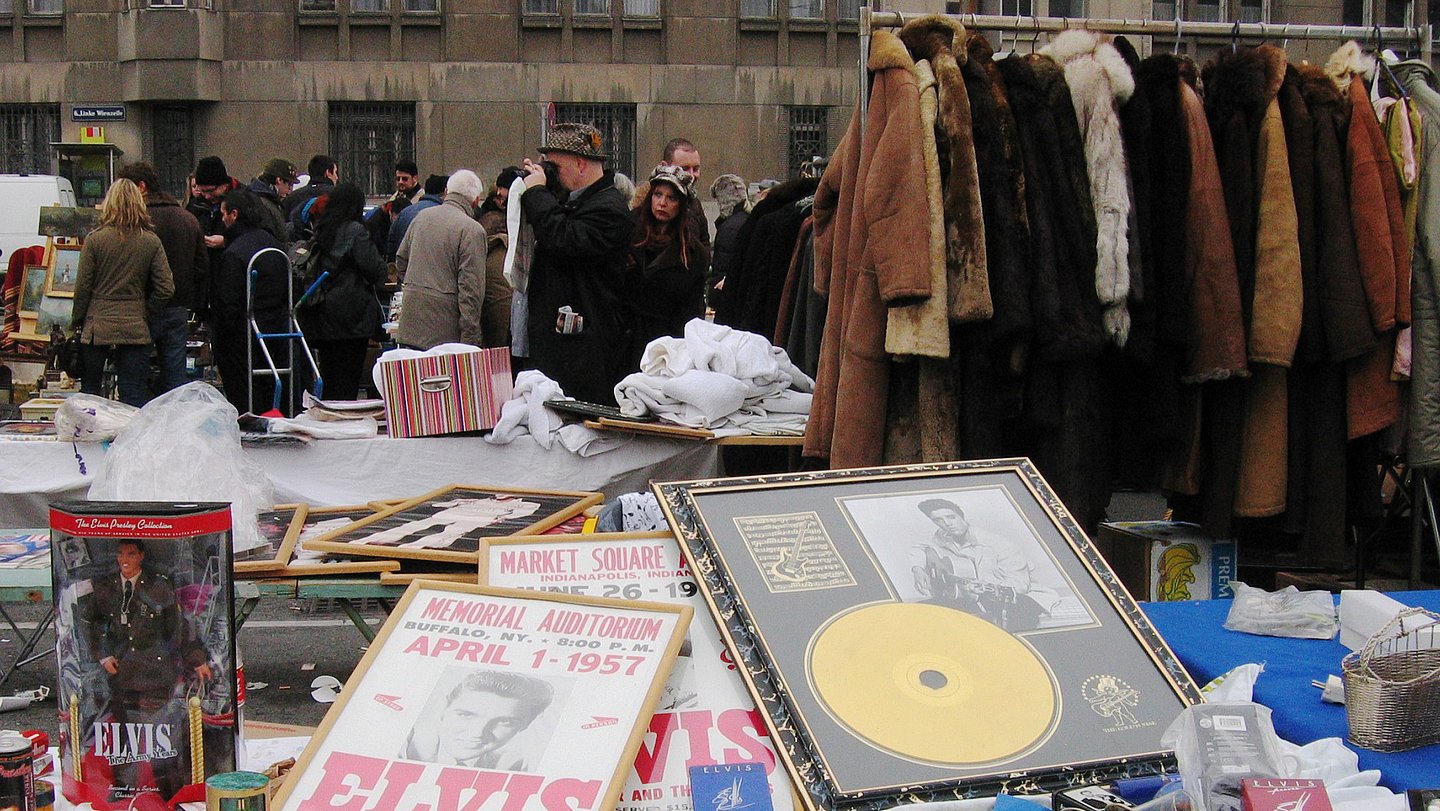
1099,81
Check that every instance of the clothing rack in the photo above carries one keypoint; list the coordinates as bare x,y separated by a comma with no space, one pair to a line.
872,18
1419,489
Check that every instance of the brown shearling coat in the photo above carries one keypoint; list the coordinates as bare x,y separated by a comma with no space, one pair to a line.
869,254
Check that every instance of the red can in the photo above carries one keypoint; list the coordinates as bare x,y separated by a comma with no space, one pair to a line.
17,773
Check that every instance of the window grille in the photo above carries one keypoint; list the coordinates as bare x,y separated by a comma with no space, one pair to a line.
616,123
807,135
174,138
366,138
26,131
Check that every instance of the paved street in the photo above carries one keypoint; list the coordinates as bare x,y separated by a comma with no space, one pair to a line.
280,639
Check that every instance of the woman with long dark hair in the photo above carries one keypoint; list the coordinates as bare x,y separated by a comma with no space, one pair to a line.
665,271
124,276
346,313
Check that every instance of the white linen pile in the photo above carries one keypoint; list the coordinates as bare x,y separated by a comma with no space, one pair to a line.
717,377
525,413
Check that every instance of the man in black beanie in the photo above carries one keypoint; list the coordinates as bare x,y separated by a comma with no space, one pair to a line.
212,182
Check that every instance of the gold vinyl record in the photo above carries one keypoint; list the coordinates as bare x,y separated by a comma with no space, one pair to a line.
932,683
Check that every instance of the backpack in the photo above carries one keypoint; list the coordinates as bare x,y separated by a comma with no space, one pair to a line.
307,261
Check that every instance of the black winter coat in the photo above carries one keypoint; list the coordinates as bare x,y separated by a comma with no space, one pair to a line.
723,259
662,292
229,283
349,308
579,261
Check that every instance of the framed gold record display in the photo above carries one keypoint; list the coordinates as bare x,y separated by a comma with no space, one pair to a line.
928,632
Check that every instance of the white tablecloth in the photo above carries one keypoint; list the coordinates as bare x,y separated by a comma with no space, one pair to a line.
356,471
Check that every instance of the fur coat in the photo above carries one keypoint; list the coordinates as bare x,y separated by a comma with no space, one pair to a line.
1099,81
862,265
941,41
1373,399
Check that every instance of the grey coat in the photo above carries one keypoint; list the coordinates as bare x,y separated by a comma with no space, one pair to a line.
122,276
1424,441
442,263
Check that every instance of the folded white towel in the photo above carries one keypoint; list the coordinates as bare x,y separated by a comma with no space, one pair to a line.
587,442
525,411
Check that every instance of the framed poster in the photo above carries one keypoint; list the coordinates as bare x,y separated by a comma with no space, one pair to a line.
305,562
280,530
447,524
928,632
64,271
494,697
145,645
705,717
32,289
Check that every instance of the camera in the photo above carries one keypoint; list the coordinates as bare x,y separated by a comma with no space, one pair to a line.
552,173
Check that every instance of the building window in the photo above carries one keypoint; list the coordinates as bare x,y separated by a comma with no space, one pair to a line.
542,7
807,136
1067,8
1398,13
368,6
807,9
1207,12
848,9
764,9
616,123
6,7
1160,10
597,7
173,130
47,6
430,6
167,3
1252,11
1008,8
366,138
642,8
317,5
26,131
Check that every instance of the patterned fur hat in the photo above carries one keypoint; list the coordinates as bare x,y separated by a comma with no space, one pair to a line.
675,176
729,191
576,139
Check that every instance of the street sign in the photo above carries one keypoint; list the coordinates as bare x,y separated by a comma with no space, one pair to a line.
92,113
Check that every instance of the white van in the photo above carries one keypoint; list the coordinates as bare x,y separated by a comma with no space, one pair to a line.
21,197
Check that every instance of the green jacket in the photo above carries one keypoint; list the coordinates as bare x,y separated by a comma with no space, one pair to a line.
122,275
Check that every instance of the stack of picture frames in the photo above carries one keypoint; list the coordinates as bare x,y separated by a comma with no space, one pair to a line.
47,292
436,535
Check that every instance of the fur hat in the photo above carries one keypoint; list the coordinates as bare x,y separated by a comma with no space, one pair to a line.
730,192
576,139
279,169
675,176
211,171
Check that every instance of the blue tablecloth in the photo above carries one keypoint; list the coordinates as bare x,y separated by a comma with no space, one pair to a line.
1196,632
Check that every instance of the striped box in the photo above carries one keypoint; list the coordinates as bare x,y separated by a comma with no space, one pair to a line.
446,394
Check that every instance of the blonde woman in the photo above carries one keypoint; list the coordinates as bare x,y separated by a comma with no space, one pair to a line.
124,277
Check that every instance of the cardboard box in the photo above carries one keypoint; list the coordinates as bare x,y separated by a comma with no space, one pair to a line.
145,641
1284,794
446,394
1168,560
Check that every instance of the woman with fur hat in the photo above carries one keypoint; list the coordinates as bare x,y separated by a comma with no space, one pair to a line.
666,266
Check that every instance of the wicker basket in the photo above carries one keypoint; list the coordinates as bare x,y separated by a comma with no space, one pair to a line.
1392,685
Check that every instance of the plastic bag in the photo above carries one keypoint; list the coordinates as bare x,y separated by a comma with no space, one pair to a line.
1288,612
1218,745
87,418
185,446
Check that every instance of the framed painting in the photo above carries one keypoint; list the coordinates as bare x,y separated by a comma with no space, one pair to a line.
64,271
448,524
67,221
526,700
32,290
705,716
929,632
280,529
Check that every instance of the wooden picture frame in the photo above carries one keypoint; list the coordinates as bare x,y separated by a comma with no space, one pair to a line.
302,562
703,695
54,312
463,514
64,271
280,527
838,590
32,290
587,675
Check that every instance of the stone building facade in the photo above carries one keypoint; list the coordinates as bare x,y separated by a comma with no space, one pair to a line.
759,85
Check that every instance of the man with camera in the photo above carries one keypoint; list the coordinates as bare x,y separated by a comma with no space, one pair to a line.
575,324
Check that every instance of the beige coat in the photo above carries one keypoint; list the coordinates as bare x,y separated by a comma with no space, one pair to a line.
442,263
122,275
